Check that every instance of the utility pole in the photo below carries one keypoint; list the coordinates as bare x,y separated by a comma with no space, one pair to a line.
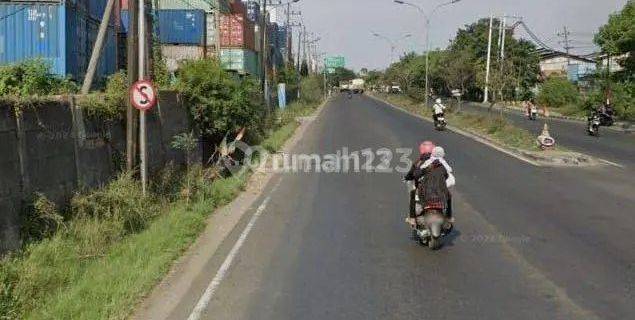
289,62
502,32
131,112
299,57
263,50
142,114
567,45
489,58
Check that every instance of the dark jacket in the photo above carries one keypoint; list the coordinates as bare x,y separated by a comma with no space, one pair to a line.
415,172
433,190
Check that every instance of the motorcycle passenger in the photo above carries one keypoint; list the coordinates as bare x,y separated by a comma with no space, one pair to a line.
438,110
415,173
437,178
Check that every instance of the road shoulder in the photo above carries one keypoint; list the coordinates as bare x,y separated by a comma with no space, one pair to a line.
169,293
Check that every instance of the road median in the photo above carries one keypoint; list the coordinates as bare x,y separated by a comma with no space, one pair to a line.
494,132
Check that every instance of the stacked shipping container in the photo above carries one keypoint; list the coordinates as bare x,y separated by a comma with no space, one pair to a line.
237,41
60,33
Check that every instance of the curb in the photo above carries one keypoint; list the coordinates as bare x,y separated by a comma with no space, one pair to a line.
525,156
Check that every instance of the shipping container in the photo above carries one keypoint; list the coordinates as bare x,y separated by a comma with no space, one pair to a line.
174,55
253,11
186,27
237,7
236,32
181,26
243,61
205,5
210,38
60,34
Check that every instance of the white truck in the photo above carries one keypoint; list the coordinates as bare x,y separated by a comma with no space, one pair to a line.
357,85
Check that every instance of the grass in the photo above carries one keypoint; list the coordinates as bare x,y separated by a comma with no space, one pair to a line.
116,245
493,127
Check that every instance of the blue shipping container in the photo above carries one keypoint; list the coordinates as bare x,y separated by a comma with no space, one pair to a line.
61,34
175,26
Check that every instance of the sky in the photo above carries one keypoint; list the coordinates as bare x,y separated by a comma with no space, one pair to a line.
346,26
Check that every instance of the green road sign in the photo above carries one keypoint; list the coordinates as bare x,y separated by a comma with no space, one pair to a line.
334,62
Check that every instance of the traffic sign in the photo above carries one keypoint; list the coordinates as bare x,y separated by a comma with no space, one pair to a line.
335,62
143,96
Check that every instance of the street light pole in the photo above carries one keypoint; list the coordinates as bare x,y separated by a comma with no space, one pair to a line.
393,44
427,21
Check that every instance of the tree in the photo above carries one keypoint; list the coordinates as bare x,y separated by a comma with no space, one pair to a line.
617,37
458,71
340,75
558,92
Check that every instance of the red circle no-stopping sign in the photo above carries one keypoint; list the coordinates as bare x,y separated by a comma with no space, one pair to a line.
143,96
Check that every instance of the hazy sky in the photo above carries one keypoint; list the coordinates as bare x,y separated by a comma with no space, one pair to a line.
345,25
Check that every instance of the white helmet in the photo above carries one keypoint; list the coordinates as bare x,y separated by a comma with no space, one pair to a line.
438,100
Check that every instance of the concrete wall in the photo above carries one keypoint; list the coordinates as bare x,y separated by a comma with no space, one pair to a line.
55,149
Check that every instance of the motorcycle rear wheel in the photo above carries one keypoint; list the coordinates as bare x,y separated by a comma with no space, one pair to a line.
434,243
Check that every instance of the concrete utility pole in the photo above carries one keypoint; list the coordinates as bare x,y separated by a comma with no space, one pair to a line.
567,47
133,69
489,59
142,114
263,51
99,44
502,32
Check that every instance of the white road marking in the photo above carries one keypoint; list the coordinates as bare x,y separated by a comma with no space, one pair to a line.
207,296
612,163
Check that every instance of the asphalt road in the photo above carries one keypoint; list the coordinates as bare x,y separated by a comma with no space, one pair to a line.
614,146
530,243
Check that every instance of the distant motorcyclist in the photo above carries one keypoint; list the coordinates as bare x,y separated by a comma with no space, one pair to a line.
415,173
438,110
606,113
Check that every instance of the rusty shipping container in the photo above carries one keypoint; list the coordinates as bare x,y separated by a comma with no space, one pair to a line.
236,32
174,55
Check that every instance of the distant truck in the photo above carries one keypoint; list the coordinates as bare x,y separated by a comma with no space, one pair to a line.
357,85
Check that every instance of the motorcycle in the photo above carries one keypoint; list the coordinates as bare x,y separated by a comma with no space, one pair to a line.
533,113
440,122
430,224
593,125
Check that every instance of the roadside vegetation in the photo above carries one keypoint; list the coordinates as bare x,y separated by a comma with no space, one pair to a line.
98,256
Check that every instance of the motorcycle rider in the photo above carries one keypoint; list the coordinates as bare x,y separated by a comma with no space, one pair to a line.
437,178
438,110
415,173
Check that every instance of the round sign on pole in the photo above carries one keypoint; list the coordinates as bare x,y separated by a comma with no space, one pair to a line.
143,95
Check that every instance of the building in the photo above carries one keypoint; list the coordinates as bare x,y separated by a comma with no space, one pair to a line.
557,63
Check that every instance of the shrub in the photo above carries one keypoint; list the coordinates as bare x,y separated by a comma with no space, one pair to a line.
557,93
220,102
32,77
112,104
311,89
42,221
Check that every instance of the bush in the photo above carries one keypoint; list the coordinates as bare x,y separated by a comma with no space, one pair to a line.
220,102
311,89
112,104
32,77
557,93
